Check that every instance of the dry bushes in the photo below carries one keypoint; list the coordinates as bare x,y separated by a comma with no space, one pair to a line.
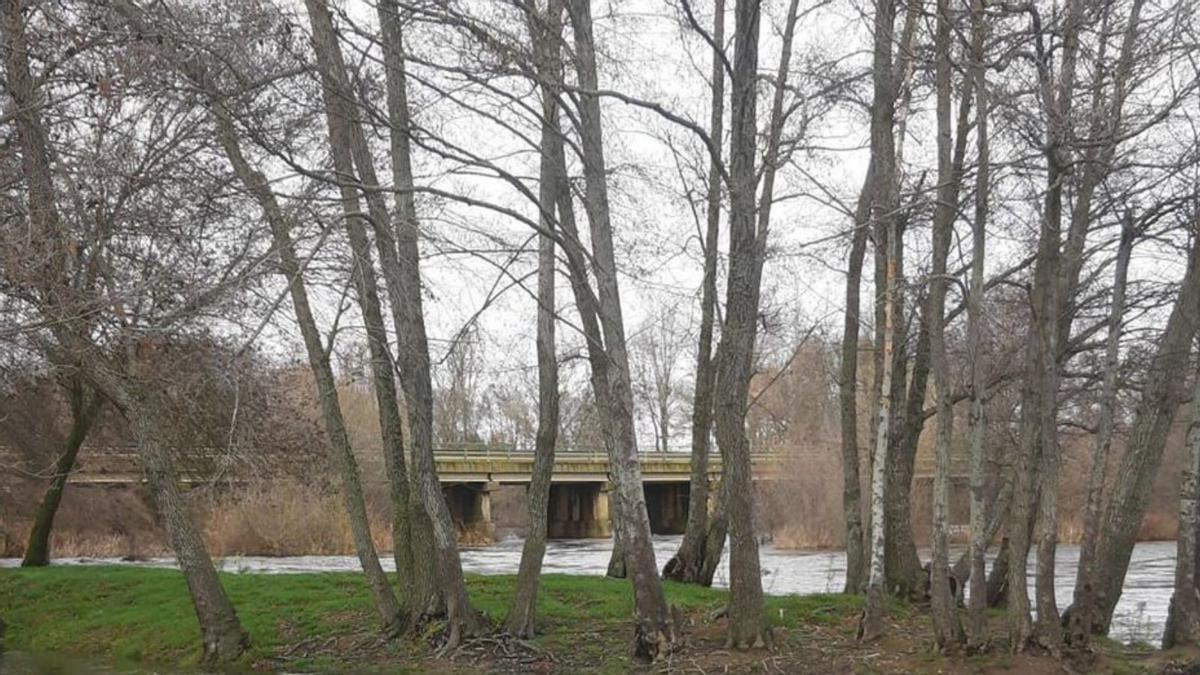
286,517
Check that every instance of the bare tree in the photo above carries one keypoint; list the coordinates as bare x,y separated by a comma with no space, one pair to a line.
883,216
979,538
39,269
1183,614
655,634
546,27
84,406
691,559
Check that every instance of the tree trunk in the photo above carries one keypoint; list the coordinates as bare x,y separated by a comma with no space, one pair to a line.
883,216
848,395
1081,618
84,406
655,633
905,576
342,142
546,32
222,635
948,632
388,607
1183,614
1162,394
400,255
977,631
689,561
871,625
714,539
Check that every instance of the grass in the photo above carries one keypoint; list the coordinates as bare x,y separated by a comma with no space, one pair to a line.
142,618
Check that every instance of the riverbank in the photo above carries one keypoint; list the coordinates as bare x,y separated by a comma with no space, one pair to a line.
324,623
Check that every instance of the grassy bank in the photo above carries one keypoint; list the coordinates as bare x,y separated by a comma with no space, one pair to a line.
324,622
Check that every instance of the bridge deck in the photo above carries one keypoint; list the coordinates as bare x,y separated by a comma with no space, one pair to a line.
117,466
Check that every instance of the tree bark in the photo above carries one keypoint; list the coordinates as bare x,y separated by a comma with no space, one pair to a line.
389,609
883,216
222,636
342,143
546,32
1162,394
848,395
1081,617
1183,614
84,406
977,631
689,561
748,230
655,632
948,632
1037,462
871,625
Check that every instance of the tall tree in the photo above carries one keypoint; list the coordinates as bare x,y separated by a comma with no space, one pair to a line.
948,632
979,537
688,563
884,220
84,405
1183,614
546,27
655,633
1078,622
1163,392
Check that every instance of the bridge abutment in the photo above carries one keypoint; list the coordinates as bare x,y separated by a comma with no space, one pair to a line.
667,506
579,511
470,507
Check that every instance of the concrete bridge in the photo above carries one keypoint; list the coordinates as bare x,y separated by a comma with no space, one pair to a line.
579,491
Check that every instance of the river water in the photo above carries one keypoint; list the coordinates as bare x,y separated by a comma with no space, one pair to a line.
1140,616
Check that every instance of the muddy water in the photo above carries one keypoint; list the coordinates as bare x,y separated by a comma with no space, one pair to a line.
1140,615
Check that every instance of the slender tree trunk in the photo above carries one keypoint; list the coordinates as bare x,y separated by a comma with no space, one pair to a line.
222,635
748,626
342,142
1037,465
979,538
948,632
655,633
389,609
1183,614
883,216
714,540
871,626
1162,394
848,395
84,406
1080,617
546,31
905,575
689,561
400,262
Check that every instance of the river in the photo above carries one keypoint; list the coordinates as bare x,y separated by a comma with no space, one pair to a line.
1140,616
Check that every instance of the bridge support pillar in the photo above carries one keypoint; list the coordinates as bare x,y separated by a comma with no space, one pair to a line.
667,506
470,507
579,511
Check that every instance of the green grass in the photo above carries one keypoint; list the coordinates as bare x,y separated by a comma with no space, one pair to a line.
144,616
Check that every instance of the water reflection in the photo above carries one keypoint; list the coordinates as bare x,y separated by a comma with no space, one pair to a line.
1140,615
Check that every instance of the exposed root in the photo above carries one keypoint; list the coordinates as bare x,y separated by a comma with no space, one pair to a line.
500,648
651,645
